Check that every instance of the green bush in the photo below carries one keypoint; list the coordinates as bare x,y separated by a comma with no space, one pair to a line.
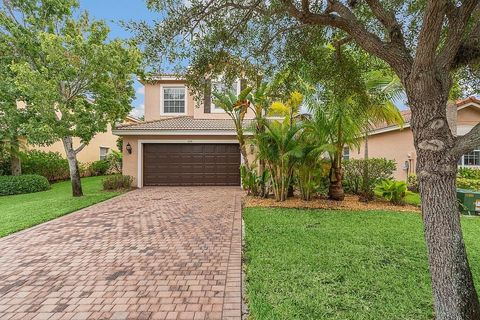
469,184
4,161
392,190
100,167
378,169
27,183
252,182
412,183
114,159
51,165
117,182
469,173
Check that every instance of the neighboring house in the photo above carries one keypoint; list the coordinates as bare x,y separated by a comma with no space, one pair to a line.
181,142
395,143
98,148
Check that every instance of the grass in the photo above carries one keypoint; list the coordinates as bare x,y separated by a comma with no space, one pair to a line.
413,199
23,211
313,264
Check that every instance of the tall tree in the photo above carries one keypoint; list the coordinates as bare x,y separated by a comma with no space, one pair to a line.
424,41
69,75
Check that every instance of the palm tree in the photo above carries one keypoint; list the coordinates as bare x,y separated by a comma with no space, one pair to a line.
236,107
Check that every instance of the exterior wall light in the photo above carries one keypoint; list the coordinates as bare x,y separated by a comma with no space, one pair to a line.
128,147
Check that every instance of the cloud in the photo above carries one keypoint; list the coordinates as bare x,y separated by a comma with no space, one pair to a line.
138,111
141,90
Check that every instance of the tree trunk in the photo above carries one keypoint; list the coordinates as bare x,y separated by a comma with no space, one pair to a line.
73,166
335,189
454,294
15,162
366,194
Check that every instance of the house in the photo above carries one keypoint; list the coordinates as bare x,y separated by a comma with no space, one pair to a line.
98,148
395,143
182,141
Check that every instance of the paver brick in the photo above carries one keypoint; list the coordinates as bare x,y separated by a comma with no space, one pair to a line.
153,253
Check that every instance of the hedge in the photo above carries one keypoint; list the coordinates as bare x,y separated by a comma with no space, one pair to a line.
51,165
469,184
27,183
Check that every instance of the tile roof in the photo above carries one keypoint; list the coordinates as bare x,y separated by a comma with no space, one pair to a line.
184,123
407,114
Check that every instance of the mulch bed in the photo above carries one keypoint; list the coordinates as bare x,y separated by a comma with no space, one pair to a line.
350,203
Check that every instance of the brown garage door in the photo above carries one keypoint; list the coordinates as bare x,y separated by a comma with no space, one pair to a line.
191,164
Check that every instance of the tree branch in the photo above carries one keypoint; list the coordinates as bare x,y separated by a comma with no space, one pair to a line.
430,33
80,148
468,142
468,51
458,18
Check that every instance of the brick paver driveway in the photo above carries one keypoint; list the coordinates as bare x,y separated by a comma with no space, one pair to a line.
154,253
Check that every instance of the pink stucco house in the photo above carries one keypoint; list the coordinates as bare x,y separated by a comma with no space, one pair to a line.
182,141
395,143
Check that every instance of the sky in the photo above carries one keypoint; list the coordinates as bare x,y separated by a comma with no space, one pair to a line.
113,11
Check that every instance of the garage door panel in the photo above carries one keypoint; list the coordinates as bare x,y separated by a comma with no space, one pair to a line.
191,164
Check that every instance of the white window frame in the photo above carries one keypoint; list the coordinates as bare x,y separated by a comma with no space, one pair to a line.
162,106
214,108
462,160
106,154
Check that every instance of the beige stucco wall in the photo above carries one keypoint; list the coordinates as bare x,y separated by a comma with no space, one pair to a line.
130,161
398,145
91,152
194,108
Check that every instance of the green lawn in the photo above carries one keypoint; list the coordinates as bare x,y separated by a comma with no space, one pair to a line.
313,264
413,199
26,210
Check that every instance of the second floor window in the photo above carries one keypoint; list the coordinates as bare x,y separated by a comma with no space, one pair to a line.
220,87
173,100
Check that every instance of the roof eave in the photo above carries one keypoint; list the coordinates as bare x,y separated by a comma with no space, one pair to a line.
162,132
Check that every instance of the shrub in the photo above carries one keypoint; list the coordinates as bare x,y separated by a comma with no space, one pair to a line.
51,165
27,183
469,184
378,169
252,182
412,183
392,190
117,182
4,161
99,168
469,173
114,159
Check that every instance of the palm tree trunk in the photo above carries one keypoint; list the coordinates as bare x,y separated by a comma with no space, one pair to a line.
366,194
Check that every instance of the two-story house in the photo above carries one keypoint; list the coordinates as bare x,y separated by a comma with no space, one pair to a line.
182,142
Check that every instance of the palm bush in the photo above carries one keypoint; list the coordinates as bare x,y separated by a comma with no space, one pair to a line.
253,181
278,146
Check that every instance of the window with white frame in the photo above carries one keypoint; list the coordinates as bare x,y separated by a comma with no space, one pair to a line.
173,100
471,158
103,153
221,87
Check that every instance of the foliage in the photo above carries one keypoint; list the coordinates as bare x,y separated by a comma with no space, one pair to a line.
28,183
253,182
412,183
469,184
120,143
469,173
279,148
19,212
4,162
392,190
117,182
114,159
99,168
235,107
51,165
71,77
378,169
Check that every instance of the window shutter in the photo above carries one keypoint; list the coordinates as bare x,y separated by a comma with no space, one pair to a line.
243,84
207,103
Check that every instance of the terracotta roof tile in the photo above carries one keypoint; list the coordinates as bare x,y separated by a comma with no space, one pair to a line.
184,123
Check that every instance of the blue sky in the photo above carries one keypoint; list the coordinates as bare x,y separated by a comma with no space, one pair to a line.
113,11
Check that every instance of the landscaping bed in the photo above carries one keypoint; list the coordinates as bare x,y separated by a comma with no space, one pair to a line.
18,212
350,203
323,264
